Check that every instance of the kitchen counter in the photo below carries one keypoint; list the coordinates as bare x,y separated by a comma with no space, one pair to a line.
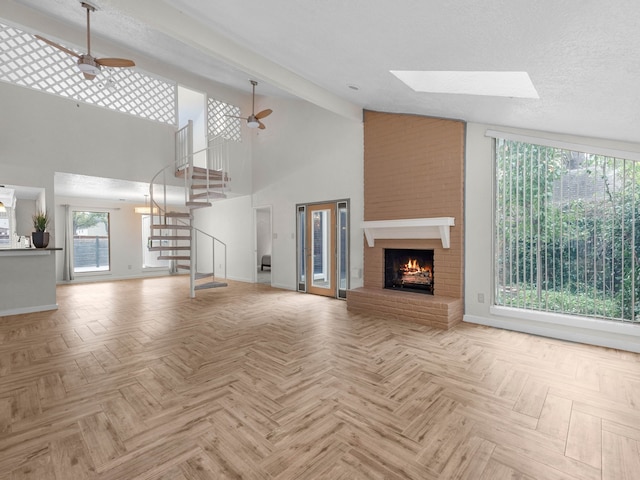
16,252
27,280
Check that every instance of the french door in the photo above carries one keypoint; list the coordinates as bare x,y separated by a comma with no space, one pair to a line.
322,248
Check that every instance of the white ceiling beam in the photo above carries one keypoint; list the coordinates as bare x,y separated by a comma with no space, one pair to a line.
175,23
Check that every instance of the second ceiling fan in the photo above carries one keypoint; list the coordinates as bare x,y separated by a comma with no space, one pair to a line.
87,64
253,120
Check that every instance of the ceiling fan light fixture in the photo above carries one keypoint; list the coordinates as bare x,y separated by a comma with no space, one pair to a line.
252,122
87,65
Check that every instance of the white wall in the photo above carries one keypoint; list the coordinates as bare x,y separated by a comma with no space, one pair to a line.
25,209
479,257
56,134
305,155
231,221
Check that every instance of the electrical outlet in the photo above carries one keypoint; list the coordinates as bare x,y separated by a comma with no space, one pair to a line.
481,298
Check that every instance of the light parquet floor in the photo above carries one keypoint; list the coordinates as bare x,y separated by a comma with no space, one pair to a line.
134,380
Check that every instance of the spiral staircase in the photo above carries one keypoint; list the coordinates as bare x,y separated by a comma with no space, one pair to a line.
173,235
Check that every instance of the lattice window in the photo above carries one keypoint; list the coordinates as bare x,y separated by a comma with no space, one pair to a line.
26,61
219,123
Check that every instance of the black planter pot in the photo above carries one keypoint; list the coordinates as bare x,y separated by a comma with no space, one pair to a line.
40,239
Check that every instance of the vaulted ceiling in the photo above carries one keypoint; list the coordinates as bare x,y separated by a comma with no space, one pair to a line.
580,55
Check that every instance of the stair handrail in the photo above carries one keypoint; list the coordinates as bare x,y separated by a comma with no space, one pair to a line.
153,205
194,256
216,158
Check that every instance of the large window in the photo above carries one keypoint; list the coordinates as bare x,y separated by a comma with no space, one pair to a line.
566,239
90,241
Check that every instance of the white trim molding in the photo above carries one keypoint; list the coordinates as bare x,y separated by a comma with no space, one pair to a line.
411,228
604,333
23,310
574,147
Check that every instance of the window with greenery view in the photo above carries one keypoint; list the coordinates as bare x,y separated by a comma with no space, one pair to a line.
90,241
566,239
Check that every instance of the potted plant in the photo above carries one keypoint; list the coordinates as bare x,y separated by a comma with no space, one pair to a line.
40,237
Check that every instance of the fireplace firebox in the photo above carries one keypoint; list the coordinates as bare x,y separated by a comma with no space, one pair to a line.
409,270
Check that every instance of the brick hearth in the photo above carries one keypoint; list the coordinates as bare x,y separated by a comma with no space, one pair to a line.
413,168
436,311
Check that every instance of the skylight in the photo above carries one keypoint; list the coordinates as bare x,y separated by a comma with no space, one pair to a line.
495,84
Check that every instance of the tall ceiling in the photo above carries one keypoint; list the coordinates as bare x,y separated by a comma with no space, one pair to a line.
582,56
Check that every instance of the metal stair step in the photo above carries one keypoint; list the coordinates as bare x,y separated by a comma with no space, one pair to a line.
198,204
197,171
163,226
208,195
174,257
183,267
178,215
169,248
202,286
204,186
203,176
170,237
199,275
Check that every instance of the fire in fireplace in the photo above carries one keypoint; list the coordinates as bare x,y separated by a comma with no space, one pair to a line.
409,269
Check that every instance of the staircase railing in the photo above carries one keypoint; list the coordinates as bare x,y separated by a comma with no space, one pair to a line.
197,263
216,155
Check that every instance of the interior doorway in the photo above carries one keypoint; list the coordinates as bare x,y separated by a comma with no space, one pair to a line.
263,244
323,248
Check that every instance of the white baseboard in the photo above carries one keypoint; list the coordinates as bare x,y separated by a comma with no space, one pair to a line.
576,330
108,277
282,286
21,311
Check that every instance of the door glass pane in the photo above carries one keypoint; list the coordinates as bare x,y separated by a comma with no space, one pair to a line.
302,242
90,241
320,245
343,248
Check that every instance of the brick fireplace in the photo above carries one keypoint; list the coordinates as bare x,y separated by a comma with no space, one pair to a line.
413,191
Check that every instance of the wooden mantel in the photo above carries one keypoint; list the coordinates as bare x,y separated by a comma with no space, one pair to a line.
411,228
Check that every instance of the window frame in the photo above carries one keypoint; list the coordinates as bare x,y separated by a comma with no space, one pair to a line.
97,271
607,323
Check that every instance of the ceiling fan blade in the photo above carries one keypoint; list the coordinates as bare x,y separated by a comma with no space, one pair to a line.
59,47
261,125
88,76
264,113
235,116
115,62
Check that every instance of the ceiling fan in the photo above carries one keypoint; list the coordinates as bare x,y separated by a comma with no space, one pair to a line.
88,65
253,120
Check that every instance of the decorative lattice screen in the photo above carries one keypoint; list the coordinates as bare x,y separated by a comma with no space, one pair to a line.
219,123
26,61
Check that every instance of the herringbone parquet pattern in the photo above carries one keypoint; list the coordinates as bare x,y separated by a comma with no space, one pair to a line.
132,380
